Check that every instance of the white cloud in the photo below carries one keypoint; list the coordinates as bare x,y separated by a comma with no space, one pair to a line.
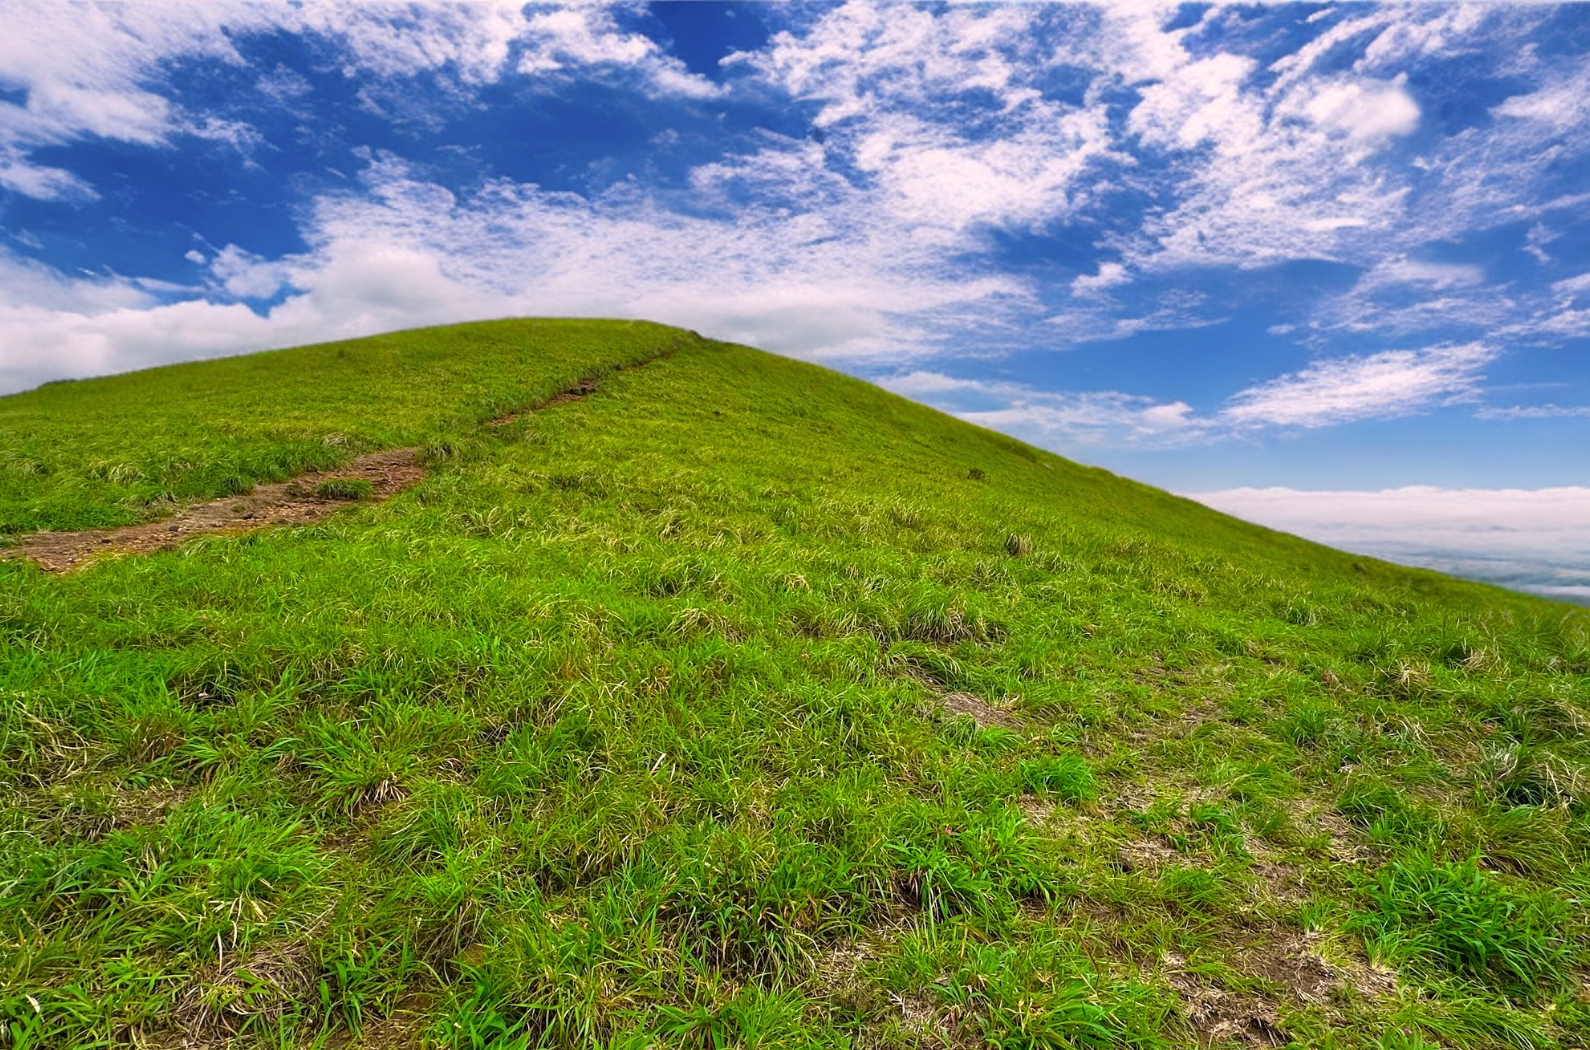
96,70
1299,160
1199,102
84,69
1096,316
20,175
1268,164
560,37
1559,104
1514,412
872,237
1402,270
1559,518
1047,417
1344,390
407,252
1091,286
1403,296
1328,392
940,114
1362,110
244,275
1572,288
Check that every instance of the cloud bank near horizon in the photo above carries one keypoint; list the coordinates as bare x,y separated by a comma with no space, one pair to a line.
1531,540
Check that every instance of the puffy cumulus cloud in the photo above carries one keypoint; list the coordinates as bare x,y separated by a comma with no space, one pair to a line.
562,38
243,275
54,327
407,252
1309,155
1198,102
1344,390
478,42
472,41
861,57
1534,540
1095,285
1361,110
829,284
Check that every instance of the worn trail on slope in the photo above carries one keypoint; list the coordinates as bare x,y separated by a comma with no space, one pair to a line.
292,502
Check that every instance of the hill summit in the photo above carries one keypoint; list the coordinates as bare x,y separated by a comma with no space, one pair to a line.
656,691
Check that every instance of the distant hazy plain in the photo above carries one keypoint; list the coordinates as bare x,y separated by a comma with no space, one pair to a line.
1528,540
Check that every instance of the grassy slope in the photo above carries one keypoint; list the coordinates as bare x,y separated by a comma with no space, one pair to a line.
112,451
618,730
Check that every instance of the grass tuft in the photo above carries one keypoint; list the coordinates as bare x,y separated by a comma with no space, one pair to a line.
344,489
1456,917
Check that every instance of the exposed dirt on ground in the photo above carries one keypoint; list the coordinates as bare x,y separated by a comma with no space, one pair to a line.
1294,963
584,388
978,709
1149,854
1222,1015
285,503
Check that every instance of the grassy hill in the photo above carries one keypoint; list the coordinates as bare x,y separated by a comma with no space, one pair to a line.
740,703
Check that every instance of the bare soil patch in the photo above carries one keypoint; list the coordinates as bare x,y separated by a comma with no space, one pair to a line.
1294,964
1149,854
978,710
292,502
581,389
1221,1015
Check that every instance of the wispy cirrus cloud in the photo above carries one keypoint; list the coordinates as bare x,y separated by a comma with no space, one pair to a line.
1376,386
89,70
1086,418
1547,411
1328,392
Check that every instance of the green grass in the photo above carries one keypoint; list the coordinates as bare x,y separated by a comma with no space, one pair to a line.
1456,917
623,729
344,488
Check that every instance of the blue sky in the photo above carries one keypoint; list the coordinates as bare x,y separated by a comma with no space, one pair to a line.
1307,246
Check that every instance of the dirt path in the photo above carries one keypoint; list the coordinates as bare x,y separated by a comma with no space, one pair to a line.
284,503
291,502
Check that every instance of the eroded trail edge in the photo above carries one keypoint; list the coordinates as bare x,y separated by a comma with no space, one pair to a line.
297,501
